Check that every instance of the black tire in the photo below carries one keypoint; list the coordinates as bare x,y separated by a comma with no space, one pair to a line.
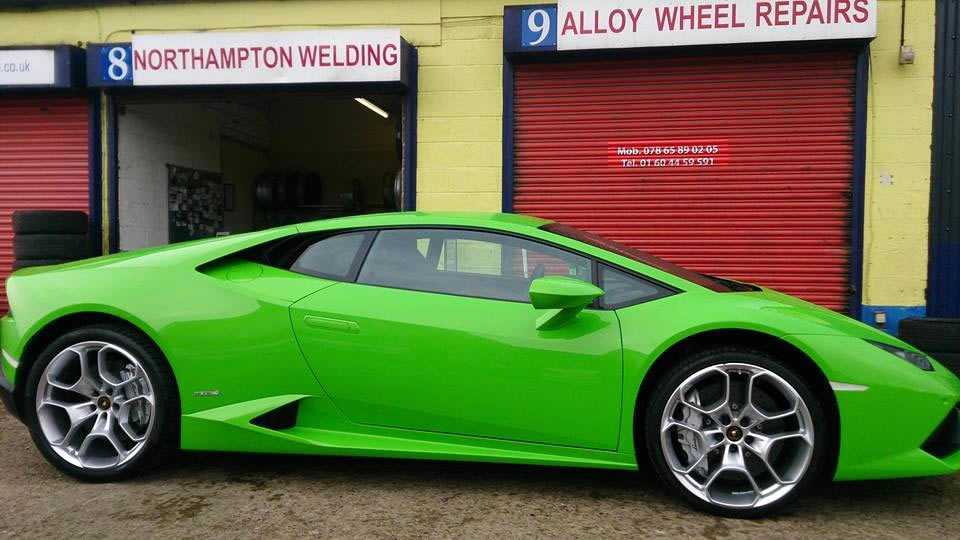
49,222
264,191
29,263
51,246
163,439
931,335
696,362
950,360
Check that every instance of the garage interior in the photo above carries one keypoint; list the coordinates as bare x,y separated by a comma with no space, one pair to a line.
200,166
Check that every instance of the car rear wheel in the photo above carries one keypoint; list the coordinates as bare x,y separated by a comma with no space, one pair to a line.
736,433
101,404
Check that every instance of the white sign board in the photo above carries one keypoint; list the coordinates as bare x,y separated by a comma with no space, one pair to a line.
607,24
266,57
27,67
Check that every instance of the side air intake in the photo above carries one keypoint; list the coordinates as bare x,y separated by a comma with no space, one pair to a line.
945,440
284,417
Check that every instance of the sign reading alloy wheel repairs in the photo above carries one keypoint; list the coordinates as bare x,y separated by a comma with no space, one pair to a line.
213,58
27,67
613,24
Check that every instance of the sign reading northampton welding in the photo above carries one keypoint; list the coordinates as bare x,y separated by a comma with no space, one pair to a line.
609,24
215,58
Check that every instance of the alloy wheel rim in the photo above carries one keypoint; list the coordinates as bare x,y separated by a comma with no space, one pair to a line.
737,435
95,405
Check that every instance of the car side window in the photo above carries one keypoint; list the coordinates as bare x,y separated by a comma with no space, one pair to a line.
466,263
331,258
622,289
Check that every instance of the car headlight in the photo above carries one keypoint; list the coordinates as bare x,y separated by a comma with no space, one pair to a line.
917,359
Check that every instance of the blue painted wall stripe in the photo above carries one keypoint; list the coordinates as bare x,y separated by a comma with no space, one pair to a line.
894,315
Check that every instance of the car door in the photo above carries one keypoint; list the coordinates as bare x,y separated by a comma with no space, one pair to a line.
437,334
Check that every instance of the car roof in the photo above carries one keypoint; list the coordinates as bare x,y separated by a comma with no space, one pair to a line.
496,220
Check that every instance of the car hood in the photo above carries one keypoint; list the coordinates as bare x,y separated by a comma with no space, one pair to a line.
808,318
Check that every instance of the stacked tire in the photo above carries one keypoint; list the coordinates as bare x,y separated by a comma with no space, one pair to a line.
287,191
45,237
938,337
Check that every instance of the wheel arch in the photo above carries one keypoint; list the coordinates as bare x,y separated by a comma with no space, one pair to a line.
804,365
42,337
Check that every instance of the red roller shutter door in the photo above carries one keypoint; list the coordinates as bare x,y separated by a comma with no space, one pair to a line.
774,208
44,163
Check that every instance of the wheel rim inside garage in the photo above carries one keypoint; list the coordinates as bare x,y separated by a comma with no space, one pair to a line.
773,207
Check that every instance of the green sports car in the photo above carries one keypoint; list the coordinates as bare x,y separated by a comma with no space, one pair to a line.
476,337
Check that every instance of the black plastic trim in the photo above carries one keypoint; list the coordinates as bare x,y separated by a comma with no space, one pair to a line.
663,290
358,258
362,254
283,417
945,440
6,396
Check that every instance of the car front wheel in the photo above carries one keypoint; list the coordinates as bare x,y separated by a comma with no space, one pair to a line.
101,403
736,432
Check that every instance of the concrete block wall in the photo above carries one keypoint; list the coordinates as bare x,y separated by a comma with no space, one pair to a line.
460,108
151,136
899,135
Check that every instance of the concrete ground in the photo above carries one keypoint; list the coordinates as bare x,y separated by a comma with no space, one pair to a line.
246,496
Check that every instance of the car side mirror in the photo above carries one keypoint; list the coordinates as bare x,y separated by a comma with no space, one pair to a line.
563,297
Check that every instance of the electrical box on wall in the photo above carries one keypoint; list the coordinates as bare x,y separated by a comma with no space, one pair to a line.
907,54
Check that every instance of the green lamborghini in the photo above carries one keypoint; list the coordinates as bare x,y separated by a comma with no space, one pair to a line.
468,337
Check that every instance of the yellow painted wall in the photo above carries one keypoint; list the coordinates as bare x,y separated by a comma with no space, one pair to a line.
460,102
460,108
418,20
899,129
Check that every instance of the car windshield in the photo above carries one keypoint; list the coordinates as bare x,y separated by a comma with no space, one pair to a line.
712,283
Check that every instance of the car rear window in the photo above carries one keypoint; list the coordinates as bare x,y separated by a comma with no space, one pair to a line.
635,254
331,257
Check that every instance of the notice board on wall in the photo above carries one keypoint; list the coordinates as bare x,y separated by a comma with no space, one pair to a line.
195,203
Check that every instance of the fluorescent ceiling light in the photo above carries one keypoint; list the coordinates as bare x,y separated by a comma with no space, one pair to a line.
368,104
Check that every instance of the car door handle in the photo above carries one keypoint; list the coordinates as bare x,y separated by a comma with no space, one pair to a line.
336,325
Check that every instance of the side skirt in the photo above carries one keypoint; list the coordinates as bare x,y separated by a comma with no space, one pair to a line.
321,429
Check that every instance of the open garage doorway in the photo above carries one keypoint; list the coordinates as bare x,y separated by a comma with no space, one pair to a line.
198,166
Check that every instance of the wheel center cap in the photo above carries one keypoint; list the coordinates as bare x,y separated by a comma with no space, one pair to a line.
734,433
103,402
